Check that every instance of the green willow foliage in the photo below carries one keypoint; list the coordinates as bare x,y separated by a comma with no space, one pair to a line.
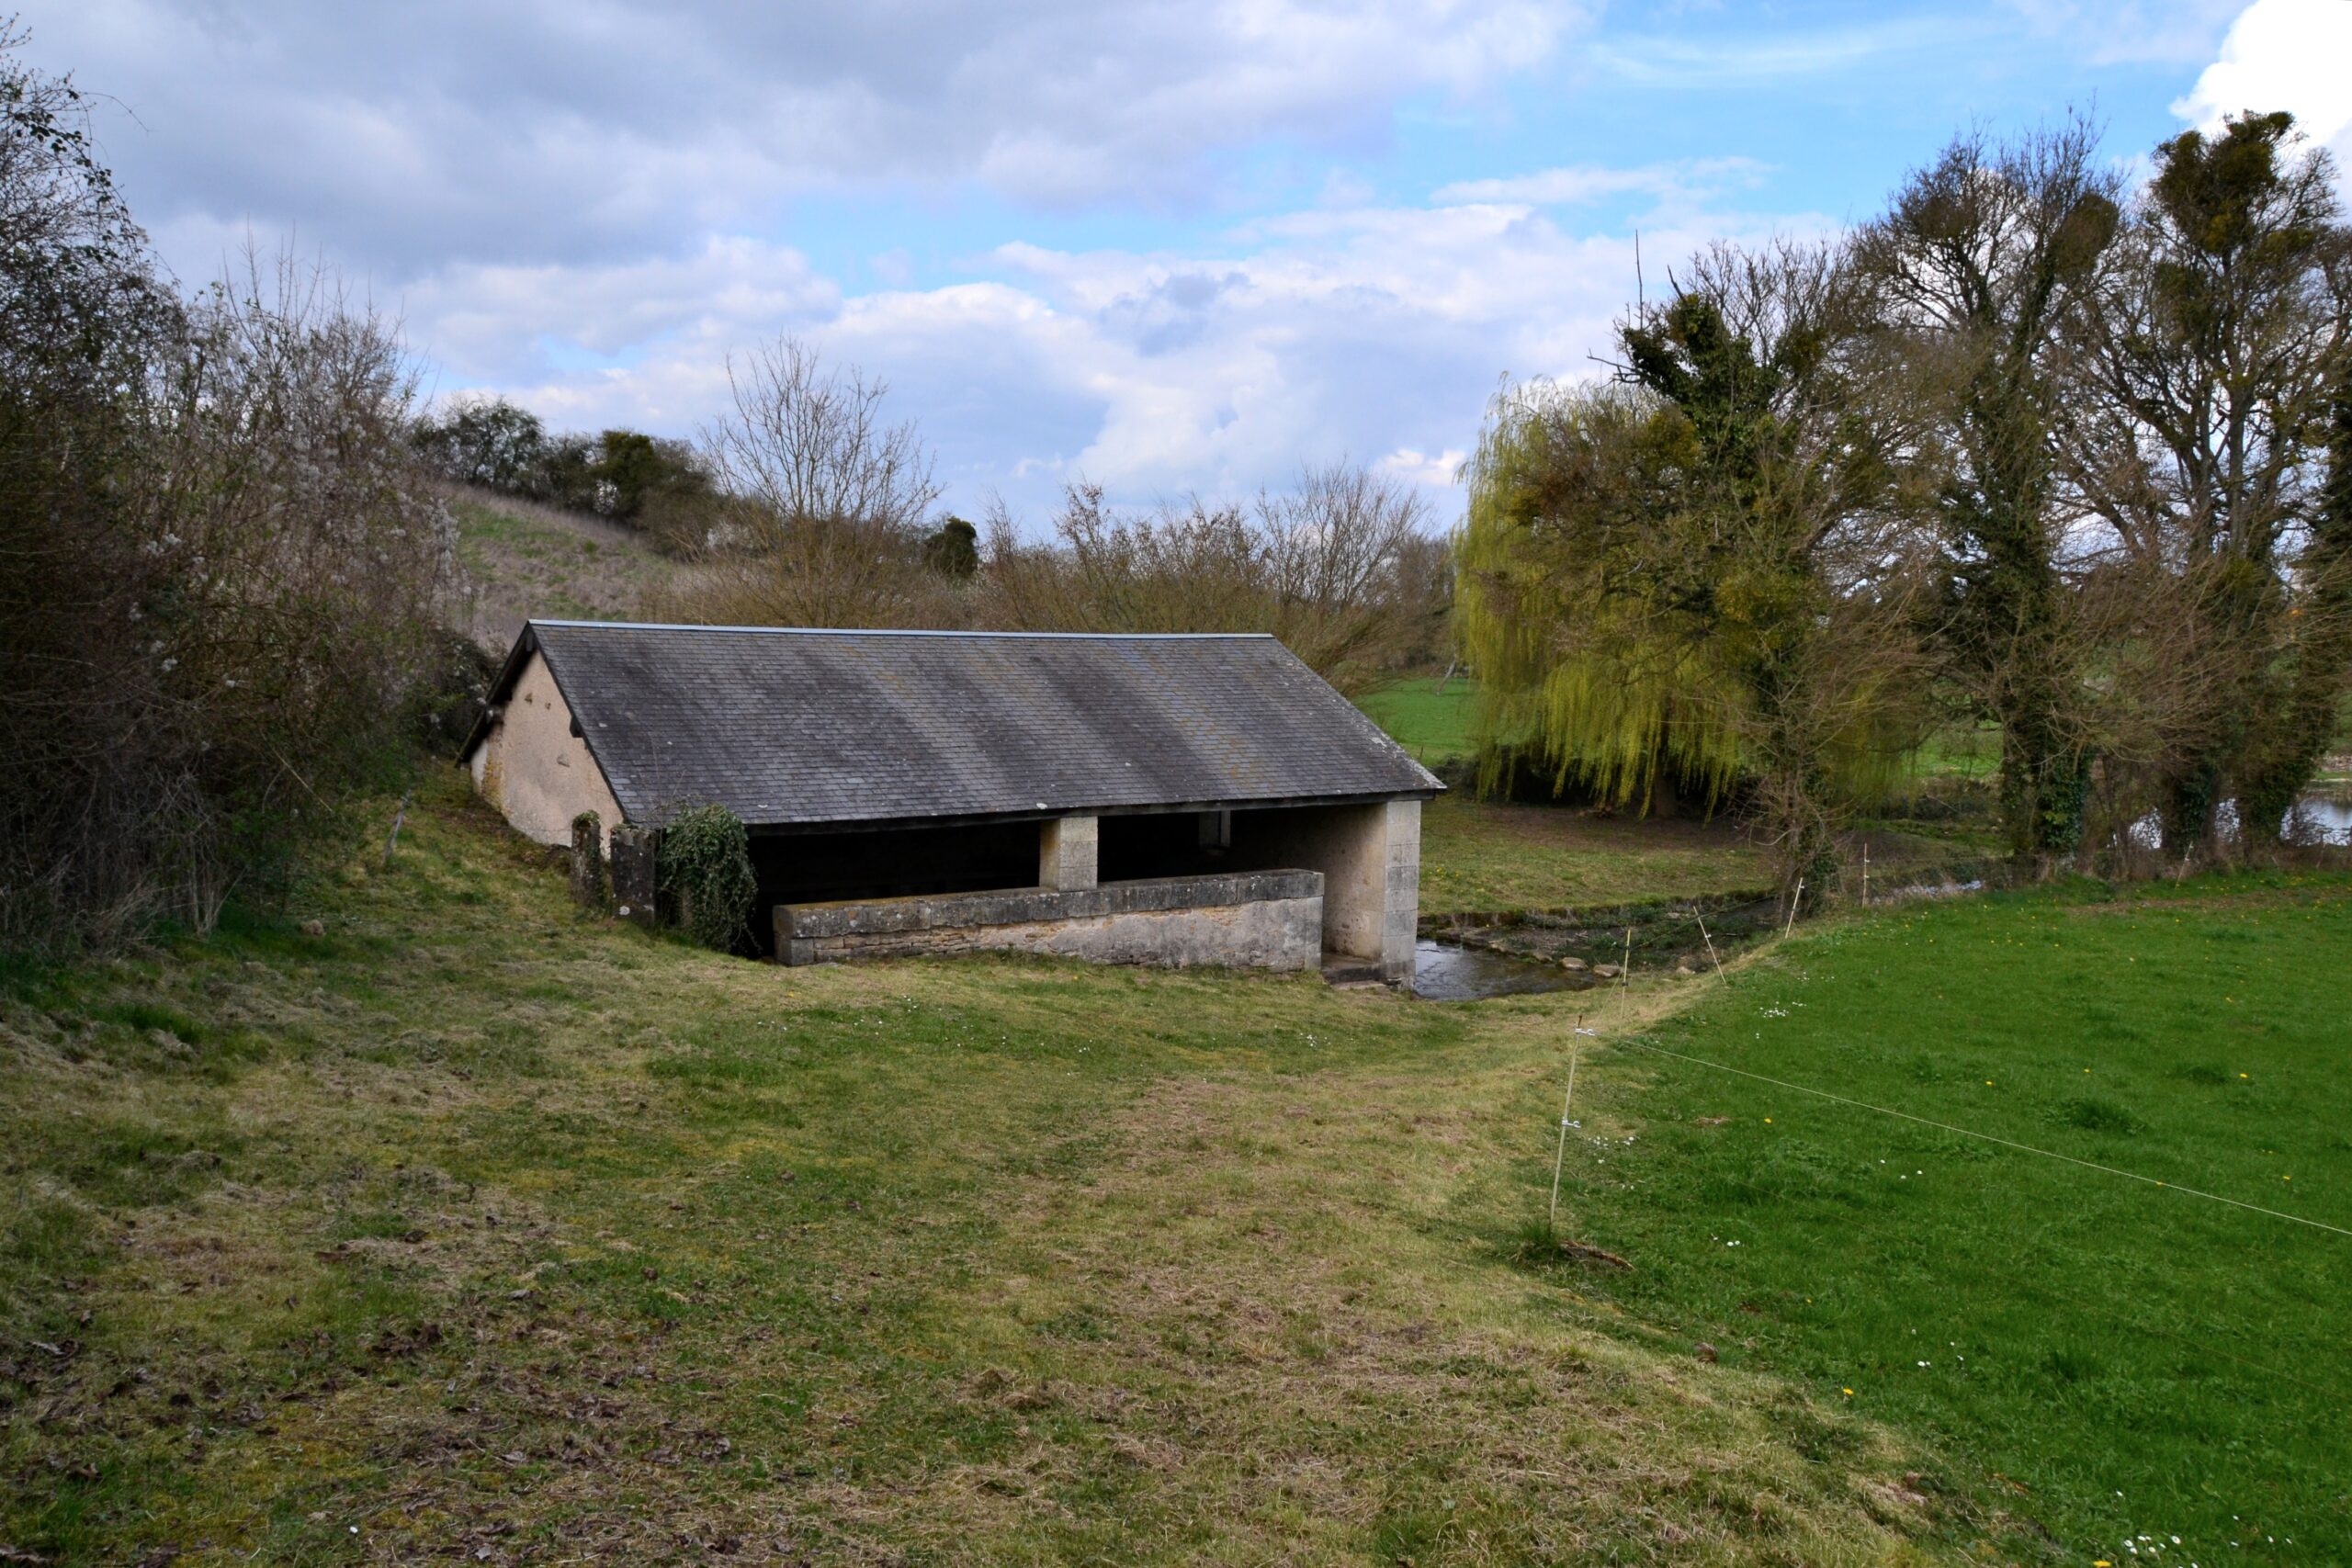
1699,572
1625,698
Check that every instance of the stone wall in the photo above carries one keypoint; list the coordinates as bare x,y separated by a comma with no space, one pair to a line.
534,768
1371,860
1264,919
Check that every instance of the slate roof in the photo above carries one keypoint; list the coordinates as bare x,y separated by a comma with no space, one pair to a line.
787,726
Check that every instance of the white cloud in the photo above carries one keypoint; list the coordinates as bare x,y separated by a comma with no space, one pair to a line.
1374,330
2282,54
1585,183
496,133
2107,32
1683,58
1423,469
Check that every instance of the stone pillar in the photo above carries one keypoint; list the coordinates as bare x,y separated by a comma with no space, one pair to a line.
634,874
590,885
1371,860
1067,853
1401,893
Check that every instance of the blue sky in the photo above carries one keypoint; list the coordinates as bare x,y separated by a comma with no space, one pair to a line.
1168,246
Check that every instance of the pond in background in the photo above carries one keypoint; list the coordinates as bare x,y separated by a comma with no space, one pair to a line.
2328,818
2315,820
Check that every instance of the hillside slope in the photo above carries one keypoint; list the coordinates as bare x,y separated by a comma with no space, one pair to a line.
524,559
465,1227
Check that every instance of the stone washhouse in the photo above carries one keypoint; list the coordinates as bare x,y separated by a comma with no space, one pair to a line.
1137,799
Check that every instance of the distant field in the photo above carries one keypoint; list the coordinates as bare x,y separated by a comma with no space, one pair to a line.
2126,1359
1485,856
1961,751
1434,726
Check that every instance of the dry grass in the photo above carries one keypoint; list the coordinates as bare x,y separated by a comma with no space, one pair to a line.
524,559
491,1234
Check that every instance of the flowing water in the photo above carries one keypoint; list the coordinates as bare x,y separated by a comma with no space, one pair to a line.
1444,973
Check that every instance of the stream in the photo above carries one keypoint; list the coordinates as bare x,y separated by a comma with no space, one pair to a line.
1445,973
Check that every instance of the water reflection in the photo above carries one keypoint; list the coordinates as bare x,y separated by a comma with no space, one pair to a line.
2315,820
1443,973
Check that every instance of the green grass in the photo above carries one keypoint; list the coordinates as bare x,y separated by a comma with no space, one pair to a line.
1489,856
1961,751
1434,726
1485,855
2131,1358
474,1225
524,559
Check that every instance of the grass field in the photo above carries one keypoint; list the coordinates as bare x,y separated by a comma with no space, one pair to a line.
1490,855
1434,726
470,1228
2133,1360
1485,855
473,1229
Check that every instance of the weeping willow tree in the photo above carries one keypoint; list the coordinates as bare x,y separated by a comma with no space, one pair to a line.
1703,571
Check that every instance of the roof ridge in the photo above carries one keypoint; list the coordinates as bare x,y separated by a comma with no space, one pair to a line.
899,631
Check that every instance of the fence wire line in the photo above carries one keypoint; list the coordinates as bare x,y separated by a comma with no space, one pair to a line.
1988,1138
2099,1310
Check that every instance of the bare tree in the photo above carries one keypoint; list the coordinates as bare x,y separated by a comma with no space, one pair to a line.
825,503
1341,568
2204,376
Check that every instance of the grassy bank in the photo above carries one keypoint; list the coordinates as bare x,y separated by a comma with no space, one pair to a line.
1490,855
524,559
470,1228
2127,1360
466,1227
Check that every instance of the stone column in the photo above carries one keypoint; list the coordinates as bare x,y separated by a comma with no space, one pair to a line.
590,884
1065,853
635,875
1401,890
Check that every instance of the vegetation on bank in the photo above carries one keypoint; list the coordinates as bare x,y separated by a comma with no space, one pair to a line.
523,560
461,1222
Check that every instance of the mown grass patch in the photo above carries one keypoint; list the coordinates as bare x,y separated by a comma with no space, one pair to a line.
1485,855
2126,1359
523,1236
479,1228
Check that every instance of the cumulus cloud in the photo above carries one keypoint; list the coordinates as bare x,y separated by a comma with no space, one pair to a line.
528,131
2283,54
1378,331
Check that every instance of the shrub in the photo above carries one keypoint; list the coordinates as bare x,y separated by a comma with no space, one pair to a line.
221,573
706,871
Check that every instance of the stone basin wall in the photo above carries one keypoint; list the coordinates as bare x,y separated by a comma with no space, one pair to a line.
1259,919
